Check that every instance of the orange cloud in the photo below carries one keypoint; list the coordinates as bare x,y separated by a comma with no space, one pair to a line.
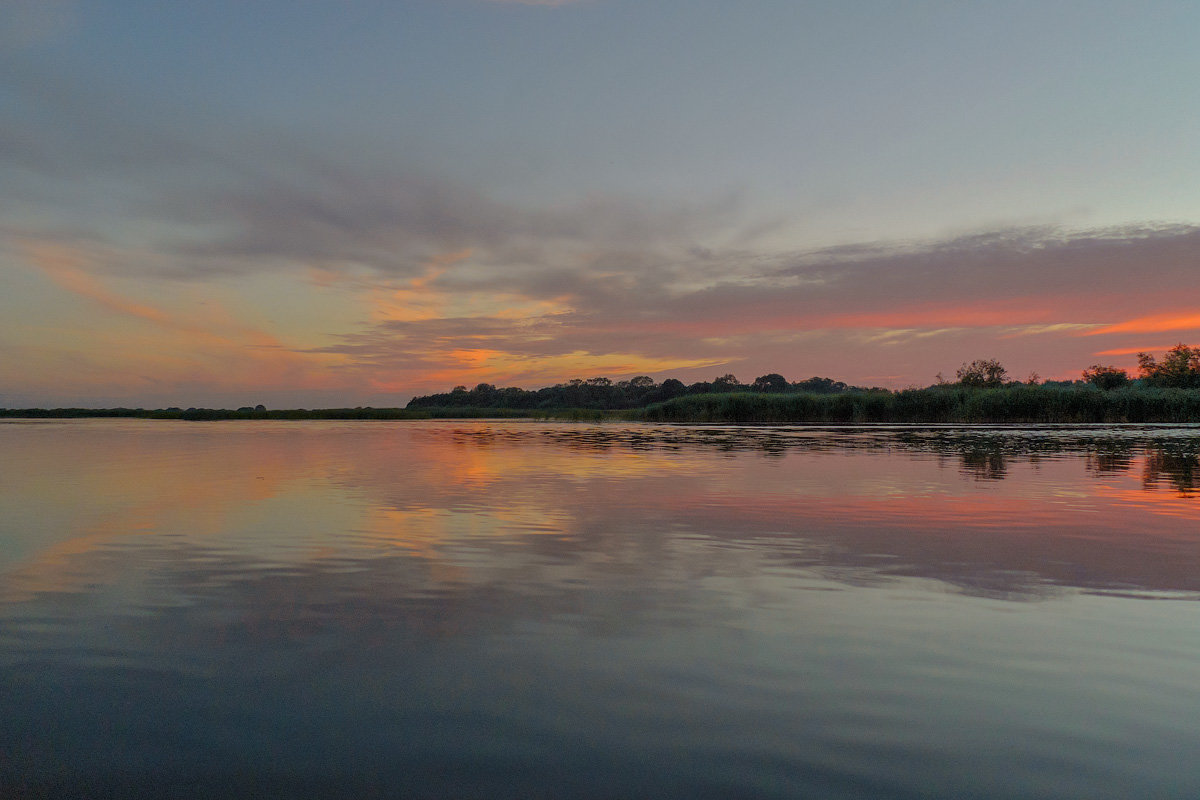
981,315
212,348
1129,351
1156,323
417,301
63,265
471,366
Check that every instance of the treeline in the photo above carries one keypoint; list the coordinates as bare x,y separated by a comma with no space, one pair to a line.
605,394
1166,391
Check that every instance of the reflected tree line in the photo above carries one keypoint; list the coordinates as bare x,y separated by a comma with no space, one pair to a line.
989,455
1169,465
995,559
1172,463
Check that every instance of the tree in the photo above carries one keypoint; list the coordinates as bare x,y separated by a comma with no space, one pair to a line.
982,372
1179,368
771,382
726,383
818,385
671,387
1105,376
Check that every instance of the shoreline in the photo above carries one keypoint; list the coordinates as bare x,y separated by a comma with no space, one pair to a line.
955,405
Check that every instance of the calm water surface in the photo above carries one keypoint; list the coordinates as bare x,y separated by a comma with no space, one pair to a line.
517,609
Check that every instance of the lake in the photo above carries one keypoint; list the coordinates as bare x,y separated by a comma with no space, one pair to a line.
519,609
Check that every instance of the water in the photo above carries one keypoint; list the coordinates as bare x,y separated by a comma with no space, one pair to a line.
518,609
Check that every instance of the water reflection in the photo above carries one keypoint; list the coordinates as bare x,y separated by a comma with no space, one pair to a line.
454,609
1064,508
1175,466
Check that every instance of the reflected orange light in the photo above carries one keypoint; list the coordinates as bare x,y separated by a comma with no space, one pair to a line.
1163,502
138,494
298,493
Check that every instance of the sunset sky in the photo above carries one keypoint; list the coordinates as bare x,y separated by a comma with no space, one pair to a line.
350,203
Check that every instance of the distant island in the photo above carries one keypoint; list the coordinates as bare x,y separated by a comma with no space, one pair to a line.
1165,391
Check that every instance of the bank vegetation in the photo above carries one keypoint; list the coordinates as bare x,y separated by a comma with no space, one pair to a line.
1166,390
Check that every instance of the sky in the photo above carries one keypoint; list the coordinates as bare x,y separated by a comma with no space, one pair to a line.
339,203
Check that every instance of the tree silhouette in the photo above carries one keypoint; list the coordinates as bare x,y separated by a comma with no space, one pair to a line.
771,382
1105,377
982,372
726,383
1179,368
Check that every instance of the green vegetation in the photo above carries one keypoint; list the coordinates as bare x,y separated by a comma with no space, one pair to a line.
1105,377
953,403
1167,391
604,394
984,372
1180,368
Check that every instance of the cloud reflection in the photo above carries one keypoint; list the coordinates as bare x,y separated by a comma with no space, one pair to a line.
535,508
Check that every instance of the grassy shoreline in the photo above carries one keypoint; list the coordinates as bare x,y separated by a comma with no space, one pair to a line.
1014,404
939,405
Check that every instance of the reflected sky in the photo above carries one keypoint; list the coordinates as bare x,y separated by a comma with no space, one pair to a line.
494,608
1015,510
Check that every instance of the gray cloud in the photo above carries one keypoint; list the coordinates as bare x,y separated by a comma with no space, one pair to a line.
28,23
1032,283
228,199
334,215
544,3
634,275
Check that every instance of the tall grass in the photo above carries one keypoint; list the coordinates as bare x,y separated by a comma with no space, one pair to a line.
953,404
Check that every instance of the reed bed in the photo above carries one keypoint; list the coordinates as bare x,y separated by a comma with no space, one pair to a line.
953,404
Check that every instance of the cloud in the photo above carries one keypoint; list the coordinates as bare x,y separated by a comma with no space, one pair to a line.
1155,323
453,279
65,266
544,3
69,129
338,217
202,345
29,23
1017,289
81,159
